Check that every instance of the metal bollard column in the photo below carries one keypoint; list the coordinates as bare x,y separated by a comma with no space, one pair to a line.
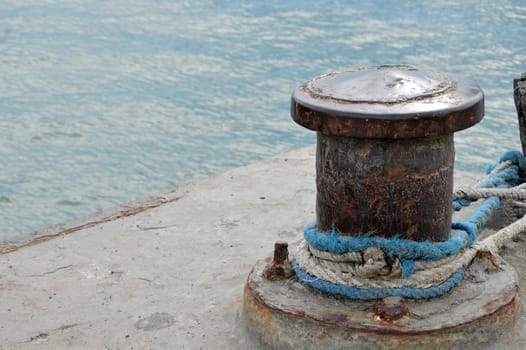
385,148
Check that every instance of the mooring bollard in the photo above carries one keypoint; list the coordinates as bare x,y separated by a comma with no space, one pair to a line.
385,148
384,268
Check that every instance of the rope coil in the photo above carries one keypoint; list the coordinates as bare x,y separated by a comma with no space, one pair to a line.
368,268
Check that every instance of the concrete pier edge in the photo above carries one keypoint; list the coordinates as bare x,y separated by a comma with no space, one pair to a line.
90,220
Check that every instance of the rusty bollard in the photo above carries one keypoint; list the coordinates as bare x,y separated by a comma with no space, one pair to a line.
384,166
385,148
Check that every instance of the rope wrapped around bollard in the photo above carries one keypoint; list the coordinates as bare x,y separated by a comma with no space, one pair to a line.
369,268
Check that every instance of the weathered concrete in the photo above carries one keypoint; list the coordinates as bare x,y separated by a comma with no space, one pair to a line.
170,277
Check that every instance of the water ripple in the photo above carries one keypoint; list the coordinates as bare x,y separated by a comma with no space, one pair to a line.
102,102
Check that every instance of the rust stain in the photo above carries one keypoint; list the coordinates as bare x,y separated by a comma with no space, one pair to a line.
395,174
511,296
273,273
488,256
332,317
389,312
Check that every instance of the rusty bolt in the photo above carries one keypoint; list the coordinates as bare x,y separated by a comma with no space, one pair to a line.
385,151
281,252
390,309
280,267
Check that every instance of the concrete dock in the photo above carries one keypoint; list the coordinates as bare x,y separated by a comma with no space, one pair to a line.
167,272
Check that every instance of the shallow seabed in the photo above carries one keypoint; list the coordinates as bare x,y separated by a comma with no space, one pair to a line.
102,102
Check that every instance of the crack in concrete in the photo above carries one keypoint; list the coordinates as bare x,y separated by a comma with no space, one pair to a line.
148,228
41,336
50,272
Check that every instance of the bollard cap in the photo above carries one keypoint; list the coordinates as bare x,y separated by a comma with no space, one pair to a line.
391,102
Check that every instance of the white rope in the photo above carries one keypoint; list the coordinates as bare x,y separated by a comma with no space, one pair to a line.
369,264
515,193
342,273
496,241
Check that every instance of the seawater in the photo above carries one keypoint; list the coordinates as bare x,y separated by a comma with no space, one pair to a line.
102,102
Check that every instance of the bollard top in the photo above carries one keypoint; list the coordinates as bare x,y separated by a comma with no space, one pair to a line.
391,101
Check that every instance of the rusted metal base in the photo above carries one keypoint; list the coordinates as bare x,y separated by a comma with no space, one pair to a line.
480,313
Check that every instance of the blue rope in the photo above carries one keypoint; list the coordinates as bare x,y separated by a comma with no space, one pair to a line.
516,157
407,251
393,247
365,294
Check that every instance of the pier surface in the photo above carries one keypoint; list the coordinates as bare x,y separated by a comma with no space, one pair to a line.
167,272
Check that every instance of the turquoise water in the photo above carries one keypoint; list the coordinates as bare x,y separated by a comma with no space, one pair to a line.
102,102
